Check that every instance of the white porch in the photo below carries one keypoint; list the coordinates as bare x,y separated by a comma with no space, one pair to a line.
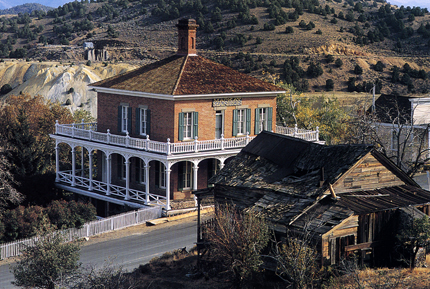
85,136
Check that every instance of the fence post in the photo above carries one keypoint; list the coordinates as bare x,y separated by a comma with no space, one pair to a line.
147,143
88,230
73,130
111,224
196,144
108,136
168,147
318,134
56,126
222,141
127,139
247,137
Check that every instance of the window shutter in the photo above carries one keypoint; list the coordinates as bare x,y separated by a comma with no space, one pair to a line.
248,120
269,118
129,120
235,122
180,176
148,122
137,121
119,118
195,124
157,174
181,126
257,120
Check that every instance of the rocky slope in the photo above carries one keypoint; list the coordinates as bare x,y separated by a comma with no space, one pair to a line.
63,83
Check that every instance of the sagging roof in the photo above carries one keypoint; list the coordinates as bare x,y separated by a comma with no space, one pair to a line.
280,176
365,202
187,75
290,165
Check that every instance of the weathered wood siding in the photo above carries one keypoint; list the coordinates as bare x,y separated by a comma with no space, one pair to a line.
348,227
369,174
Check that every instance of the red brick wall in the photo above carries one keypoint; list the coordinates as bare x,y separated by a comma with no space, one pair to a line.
207,115
165,115
161,114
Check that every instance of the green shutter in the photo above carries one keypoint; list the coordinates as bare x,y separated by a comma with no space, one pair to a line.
248,120
269,118
257,120
181,126
137,121
148,122
235,122
195,124
119,118
129,120
180,176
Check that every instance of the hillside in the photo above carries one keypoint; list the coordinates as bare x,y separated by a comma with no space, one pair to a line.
25,8
54,81
317,45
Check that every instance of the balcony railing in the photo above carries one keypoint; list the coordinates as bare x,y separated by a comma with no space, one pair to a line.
110,189
87,131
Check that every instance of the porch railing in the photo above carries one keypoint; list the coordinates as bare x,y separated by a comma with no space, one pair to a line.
87,131
110,189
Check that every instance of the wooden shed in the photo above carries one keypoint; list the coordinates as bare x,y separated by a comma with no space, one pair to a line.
348,196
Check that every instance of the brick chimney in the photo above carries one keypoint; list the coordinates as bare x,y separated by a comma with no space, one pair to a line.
187,37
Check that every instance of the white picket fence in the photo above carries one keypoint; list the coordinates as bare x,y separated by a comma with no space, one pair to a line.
93,228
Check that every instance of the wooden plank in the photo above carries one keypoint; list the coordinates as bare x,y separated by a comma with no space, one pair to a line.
362,246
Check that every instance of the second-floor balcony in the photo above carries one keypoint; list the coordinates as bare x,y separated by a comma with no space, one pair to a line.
88,132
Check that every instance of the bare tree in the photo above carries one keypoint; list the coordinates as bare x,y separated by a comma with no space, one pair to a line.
391,129
237,240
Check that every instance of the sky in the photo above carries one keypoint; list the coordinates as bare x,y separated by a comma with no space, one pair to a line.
55,3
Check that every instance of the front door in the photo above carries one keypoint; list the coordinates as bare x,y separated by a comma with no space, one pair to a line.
219,124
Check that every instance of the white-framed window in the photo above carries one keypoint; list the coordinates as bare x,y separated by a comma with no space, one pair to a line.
124,119
262,115
263,119
140,172
160,175
143,121
185,176
241,121
188,125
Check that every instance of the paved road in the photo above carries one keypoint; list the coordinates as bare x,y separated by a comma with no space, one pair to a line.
130,251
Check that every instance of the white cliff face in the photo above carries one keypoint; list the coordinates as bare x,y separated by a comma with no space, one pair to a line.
65,84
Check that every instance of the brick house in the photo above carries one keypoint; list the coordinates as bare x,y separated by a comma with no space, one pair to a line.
164,129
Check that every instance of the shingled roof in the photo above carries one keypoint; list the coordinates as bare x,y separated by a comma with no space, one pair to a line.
280,176
187,75
287,164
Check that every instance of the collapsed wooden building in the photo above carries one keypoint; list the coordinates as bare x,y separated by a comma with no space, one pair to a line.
347,196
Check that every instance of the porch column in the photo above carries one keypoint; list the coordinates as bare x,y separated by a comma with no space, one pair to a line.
168,187
127,178
108,169
82,161
57,163
221,164
90,168
195,170
73,167
147,166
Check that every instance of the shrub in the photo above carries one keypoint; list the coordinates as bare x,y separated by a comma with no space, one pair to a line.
358,70
289,29
379,66
329,84
5,88
319,32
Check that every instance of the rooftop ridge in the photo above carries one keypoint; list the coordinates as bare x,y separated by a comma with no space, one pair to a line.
178,80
